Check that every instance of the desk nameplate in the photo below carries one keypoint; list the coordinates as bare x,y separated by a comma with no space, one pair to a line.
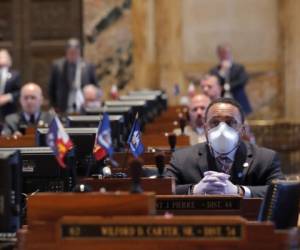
190,203
152,231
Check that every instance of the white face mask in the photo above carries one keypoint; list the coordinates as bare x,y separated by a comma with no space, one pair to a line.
223,139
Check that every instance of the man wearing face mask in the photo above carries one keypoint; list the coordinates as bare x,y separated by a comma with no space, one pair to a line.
224,164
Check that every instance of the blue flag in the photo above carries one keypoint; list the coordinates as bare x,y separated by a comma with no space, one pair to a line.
135,139
103,142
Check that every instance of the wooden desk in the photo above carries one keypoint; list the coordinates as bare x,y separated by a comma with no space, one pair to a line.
157,185
160,140
148,158
157,233
27,140
208,205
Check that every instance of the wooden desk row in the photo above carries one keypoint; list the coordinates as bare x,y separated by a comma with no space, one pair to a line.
123,221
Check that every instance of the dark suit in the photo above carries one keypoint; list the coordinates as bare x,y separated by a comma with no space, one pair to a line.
60,84
17,122
188,165
237,80
12,86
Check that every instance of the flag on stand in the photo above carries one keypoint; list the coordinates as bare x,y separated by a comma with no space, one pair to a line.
59,141
135,139
176,89
103,143
114,93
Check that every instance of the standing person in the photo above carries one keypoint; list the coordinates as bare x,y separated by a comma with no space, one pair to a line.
68,76
233,77
10,84
31,100
210,86
225,164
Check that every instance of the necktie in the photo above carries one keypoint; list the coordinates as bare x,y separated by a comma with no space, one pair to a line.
2,80
32,119
225,163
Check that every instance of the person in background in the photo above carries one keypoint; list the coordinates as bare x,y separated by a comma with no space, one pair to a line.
196,110
68,76
92,96
211,86
31,100
233,77
224,165
10,84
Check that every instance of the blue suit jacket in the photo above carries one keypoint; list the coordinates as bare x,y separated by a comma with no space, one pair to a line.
237,80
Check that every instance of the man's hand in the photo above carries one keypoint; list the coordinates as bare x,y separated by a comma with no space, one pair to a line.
212,183
6,98
215,183
230,188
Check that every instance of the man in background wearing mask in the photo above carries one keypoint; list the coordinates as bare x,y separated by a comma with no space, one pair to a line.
224,164
92,97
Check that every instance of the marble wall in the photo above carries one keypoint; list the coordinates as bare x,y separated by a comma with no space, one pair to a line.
108,40
156,43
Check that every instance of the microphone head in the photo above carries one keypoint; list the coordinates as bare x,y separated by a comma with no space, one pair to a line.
160,163
106,171
172,141
182,123
82,188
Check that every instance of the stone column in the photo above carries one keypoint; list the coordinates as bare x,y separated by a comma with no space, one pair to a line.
143,30
289,21
169,44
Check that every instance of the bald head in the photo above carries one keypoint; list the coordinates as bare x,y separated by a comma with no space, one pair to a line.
197,108
92,96
31,98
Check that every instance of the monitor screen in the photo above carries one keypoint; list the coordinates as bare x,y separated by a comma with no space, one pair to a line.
160,95
138,106
10,190
83,139
152,103
118,128
126,112
41,171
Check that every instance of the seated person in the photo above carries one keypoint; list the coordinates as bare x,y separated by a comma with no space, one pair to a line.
92,97
31,99
195,130
211,86
224,164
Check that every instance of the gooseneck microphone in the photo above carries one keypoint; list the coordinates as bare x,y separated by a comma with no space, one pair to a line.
172,141
160,164
135,170
182,123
